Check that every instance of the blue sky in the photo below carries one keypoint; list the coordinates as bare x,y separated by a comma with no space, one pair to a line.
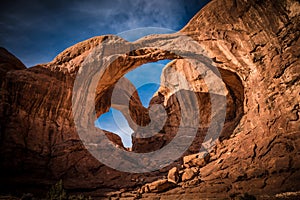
37,30
146,79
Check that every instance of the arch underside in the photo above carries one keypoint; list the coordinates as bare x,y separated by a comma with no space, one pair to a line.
128,101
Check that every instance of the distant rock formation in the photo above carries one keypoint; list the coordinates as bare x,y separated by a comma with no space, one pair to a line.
254,44
9,62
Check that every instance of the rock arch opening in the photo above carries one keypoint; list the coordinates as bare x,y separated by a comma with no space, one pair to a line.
138,115
144,81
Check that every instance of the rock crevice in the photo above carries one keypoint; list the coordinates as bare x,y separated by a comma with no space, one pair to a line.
255,46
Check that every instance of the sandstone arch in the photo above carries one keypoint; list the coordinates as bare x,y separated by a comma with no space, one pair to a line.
258,41
125,61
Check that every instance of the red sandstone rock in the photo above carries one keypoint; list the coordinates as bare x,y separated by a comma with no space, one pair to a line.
256,48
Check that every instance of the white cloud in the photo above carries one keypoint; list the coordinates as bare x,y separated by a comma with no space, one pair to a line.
126,15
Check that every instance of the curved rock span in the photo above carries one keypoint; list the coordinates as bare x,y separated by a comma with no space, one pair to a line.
255,47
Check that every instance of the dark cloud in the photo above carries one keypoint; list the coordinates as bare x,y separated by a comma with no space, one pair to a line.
37,30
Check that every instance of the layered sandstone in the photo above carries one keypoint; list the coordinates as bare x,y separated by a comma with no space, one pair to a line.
255,46
259,42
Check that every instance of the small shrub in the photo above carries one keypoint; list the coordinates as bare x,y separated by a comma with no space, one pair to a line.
57,192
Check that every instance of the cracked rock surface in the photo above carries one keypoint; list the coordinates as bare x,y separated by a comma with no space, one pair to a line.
254,44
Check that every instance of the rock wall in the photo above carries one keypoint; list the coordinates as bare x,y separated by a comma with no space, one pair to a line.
259,42
262,48
254,44
170,82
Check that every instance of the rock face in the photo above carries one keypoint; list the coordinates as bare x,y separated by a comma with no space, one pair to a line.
170,81
263,49
9,62
255,46
39,143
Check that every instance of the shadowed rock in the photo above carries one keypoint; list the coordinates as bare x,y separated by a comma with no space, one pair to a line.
255,46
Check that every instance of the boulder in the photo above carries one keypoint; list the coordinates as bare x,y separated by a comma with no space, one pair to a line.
196,160
157,186
188,174
173,175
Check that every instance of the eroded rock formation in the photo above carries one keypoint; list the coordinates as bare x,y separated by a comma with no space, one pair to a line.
255,46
